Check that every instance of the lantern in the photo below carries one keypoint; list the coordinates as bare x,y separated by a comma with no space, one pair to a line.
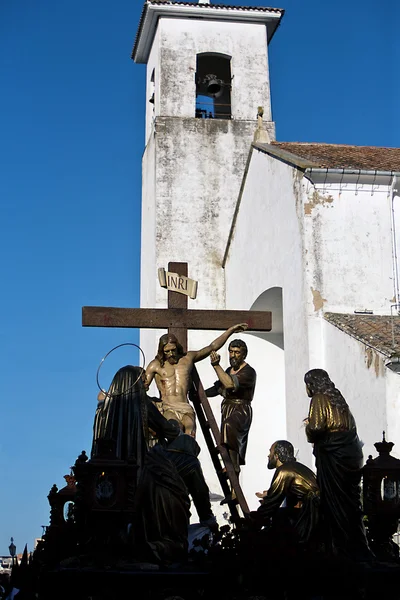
381,500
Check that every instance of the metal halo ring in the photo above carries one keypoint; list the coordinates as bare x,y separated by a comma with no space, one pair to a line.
104,358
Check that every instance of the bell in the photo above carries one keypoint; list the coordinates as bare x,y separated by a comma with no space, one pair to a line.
214,88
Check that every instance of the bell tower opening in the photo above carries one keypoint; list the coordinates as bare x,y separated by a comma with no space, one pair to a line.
213,86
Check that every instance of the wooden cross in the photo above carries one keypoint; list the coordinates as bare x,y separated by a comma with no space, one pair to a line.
177,318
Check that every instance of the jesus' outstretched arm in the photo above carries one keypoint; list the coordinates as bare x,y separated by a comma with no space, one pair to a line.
217,343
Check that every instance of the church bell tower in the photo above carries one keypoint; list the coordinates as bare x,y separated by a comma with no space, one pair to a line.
207,74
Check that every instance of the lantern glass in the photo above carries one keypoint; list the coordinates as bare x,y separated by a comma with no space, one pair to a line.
390,490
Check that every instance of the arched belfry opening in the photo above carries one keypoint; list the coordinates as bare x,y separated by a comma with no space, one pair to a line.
213,86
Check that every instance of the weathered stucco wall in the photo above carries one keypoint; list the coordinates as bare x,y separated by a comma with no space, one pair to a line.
152,86
329,252
392,411
148,260
182,39
348,250
266,252
359,373
199,167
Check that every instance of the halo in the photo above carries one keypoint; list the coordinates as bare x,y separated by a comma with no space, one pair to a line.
101,364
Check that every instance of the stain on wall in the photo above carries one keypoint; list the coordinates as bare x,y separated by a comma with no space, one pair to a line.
373,359
316,199
318,300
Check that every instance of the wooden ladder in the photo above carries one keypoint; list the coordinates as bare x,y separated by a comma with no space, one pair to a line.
226,473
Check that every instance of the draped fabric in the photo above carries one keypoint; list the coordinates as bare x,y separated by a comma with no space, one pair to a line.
235,427
120,422
339,459
161,511
161,503
122,419
296,484
236,410
183,452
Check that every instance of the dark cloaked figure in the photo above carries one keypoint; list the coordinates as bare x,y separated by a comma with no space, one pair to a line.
183,452
236,385
331,428
120,424
123,416
295,484
160,519
161,511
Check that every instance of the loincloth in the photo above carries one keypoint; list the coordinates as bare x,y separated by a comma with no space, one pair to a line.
179,412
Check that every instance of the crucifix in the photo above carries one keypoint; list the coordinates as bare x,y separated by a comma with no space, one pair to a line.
177,318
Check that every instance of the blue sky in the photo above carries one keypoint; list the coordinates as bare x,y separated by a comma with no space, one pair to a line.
72,137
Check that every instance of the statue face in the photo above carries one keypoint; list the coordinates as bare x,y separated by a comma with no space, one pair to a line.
272,458
171,353
236,357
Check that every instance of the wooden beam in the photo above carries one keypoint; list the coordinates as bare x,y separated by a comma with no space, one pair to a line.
165,318
180,301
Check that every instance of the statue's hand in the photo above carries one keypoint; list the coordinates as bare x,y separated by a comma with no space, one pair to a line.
262,494
240,327
215,358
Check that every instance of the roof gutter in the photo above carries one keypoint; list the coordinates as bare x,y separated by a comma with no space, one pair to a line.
357,177
319,170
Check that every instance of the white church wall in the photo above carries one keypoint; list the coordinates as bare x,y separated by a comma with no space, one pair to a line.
200,163
395,206
266,252
359,373
148,273
152,87
347,237
392,429
182,39
269,419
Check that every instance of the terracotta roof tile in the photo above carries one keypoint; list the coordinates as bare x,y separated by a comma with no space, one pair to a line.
373,330
341,156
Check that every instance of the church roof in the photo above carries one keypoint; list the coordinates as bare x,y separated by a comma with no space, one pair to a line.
342,156
228,6
375,331
153,9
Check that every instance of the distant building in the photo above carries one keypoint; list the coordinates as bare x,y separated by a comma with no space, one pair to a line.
5,562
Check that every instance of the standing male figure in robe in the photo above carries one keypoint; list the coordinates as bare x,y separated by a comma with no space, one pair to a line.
331,428
236,385
171,370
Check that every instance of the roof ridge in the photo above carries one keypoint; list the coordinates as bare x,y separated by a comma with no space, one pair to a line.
316,144
217,5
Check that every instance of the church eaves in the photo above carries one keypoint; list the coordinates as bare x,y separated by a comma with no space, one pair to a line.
228,6
342,156
153,9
